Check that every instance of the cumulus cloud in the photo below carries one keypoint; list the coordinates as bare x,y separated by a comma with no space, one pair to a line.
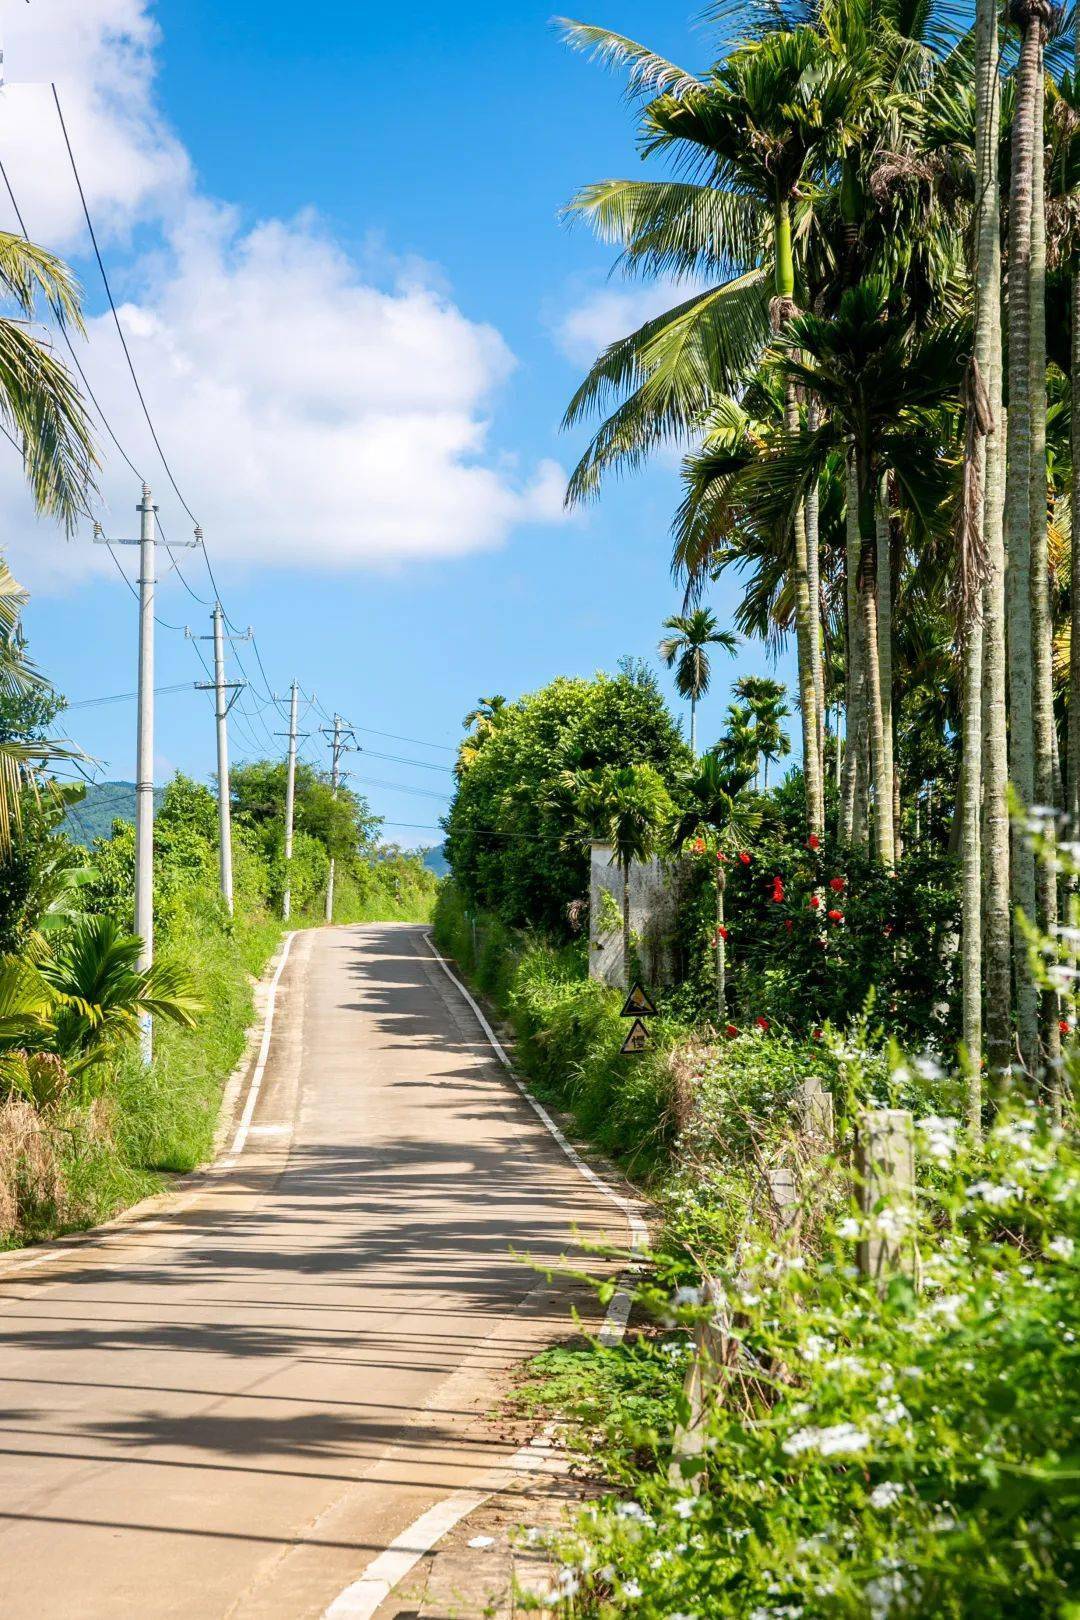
612,312
315,413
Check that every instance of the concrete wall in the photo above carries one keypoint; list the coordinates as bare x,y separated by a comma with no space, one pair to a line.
652,917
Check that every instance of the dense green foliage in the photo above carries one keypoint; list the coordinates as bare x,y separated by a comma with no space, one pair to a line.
507,829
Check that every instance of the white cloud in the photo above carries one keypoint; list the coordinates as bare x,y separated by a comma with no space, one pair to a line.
314,413
612,312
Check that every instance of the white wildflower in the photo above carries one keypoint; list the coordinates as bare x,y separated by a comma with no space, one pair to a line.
684,1507
927,1067
847,1228
885,1494
688,1296
994,1193
631,1589
837,1440
1062,1248
939,1134
630,1510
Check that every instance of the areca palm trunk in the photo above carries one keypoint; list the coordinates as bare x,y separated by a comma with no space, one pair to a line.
854,696
1030,15
868,616
1047,774
721,954
784,308
693,724
885,663
997,972
813,586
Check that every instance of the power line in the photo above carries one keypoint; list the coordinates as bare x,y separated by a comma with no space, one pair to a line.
394,736
400,759
400,787
123,697
112,306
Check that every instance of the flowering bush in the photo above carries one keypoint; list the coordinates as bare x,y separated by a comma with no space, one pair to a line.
904,1453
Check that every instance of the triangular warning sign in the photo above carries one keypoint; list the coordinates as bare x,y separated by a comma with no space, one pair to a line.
638,1005
638,1038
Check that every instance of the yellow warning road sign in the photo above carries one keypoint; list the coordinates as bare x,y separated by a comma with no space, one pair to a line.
638,1038
638,1004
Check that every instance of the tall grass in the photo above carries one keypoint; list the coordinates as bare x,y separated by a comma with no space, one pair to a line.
569,1032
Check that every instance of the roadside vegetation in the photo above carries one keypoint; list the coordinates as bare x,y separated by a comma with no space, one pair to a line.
85,1127
850,1388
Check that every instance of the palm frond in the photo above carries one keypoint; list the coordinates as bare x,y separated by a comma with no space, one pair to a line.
645,70
669,227
42,406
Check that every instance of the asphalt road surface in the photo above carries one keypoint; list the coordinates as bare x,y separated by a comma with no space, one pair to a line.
229,1407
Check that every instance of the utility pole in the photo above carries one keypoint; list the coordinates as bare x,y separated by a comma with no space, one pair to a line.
219,686
144,760
341,738
290,800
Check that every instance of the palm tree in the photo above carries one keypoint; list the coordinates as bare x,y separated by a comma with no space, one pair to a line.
686,650
480,723
881,388
100,992
709,797
754,132
628,807
20,761
766,700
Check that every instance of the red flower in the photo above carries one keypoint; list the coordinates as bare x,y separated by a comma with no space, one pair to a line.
837,883
888,929
721,857
762,1024
721,933
778,890
699,846
813,842
731,1031
836,916
788,924
818,1035
815,901
744,857
1063,1026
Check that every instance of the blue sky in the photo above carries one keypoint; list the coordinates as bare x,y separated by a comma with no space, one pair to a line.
385,171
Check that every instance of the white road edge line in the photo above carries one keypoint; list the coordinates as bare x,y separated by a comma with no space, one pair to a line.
365,1596
238,1140
264,1051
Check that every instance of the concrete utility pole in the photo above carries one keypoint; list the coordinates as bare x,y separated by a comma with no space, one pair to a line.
144,760
221,710
219,686
144,764
341,737
290,800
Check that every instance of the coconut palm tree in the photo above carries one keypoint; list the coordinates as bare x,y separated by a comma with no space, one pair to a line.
480,723
710,810
686,650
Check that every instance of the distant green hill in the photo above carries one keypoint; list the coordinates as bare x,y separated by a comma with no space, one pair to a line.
435,860
105,802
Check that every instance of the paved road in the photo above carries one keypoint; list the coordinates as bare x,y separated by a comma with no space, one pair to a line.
227,1409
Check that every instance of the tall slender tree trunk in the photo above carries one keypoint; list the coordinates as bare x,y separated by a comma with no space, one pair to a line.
784,307
813,586
1072,747
1047,779
721,953
854,666
885,662
1029,14
871,633
996,853
693,726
